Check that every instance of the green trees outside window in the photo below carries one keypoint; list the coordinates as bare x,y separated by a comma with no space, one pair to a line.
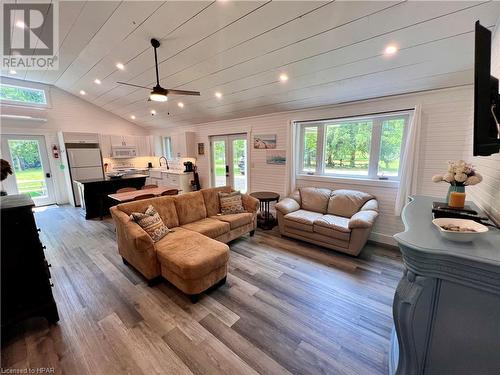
22,94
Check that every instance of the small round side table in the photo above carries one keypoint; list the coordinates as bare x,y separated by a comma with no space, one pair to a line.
266,220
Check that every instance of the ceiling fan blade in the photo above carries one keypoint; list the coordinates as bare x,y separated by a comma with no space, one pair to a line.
183,92
131,84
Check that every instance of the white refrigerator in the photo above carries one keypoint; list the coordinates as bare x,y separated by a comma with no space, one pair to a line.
84,164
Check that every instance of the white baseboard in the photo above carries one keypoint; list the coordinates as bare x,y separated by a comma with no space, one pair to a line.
383,238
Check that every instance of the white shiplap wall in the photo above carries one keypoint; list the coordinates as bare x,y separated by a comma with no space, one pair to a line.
446,121
487,193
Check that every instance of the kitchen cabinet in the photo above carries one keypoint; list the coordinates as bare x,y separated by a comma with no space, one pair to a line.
183,145
155,144
105,145
123,140
74,137
143,145
172,180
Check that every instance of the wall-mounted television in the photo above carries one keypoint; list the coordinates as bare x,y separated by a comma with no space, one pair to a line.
486,97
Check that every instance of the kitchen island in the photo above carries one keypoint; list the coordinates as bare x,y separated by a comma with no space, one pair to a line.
94,192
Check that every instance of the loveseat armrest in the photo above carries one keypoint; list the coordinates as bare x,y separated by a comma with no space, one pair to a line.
371,205
135,245
363,219
287,205
250,203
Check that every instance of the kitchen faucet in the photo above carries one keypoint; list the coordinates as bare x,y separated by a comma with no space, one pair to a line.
166,161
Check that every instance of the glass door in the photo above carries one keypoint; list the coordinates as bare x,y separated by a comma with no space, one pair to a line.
229,155
28,158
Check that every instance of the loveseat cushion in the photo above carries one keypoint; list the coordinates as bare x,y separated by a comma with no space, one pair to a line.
190,207
211,197
302,219
333,226
165,207
208,227
235,220
191,255
314,199
347,202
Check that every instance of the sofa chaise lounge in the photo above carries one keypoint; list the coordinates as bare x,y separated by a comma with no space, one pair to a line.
194,255
337,219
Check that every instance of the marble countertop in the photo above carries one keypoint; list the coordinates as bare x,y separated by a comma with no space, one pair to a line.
107,179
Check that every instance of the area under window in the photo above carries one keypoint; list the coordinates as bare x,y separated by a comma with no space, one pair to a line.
22,95
359,147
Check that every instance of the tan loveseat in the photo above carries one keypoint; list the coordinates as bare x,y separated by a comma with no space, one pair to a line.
194,255
336,219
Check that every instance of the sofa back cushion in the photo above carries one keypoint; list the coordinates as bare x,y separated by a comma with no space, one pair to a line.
190,207
211,198
163,205
347,202
314,199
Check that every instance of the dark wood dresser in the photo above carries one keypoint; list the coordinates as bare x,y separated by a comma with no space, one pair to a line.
26,287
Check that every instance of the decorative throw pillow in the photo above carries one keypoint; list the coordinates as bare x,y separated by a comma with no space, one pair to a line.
151,222
230,203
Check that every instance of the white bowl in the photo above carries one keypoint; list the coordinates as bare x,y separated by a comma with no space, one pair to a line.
460,236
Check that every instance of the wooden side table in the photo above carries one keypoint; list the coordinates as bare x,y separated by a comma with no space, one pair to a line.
266,220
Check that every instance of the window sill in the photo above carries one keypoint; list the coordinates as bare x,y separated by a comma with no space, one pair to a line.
350,180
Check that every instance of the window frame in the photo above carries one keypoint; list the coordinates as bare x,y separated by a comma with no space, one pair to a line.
10,102
375,144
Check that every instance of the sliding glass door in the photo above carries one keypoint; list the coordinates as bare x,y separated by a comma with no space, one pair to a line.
229,154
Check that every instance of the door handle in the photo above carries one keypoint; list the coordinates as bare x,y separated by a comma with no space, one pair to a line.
227,170
47,175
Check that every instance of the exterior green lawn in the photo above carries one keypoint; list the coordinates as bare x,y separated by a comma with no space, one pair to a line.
31,181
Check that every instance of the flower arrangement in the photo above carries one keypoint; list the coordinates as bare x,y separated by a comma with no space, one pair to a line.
459,173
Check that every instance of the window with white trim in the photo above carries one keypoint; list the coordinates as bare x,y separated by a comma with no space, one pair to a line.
22,95
359,147
167,147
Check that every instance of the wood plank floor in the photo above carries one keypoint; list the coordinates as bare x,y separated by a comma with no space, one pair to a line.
287,307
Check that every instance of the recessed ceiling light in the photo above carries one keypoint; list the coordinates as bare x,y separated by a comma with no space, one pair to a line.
390,50
153,112
97,81
132,117
283,77
20,24
120,66
218,94
180,104
82,92
12,71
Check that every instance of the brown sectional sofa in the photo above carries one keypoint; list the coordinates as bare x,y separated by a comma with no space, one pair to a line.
194,256
337,219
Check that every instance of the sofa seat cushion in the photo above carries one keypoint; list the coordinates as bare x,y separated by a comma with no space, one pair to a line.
333,226
302,219
235,220
191,255
208,227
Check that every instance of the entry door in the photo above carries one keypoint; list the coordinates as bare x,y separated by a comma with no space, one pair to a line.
29,160
230,161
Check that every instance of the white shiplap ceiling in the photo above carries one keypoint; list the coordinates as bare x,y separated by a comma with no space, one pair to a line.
331,51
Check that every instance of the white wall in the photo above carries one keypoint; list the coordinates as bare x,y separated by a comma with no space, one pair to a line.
487,193
446,124
66,113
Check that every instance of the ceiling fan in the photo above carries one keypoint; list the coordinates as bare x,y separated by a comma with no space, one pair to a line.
158,93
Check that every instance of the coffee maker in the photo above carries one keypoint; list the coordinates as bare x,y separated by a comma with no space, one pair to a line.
189,166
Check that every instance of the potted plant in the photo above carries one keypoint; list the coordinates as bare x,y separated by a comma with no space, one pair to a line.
459,175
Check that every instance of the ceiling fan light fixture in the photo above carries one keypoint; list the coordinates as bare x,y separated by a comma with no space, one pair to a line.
155,97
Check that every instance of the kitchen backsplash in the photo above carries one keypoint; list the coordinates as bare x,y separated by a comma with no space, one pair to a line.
142,162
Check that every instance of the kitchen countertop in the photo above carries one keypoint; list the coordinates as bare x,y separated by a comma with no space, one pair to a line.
107,179
170,171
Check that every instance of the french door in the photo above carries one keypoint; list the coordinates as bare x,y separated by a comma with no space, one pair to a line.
28,158
229,154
